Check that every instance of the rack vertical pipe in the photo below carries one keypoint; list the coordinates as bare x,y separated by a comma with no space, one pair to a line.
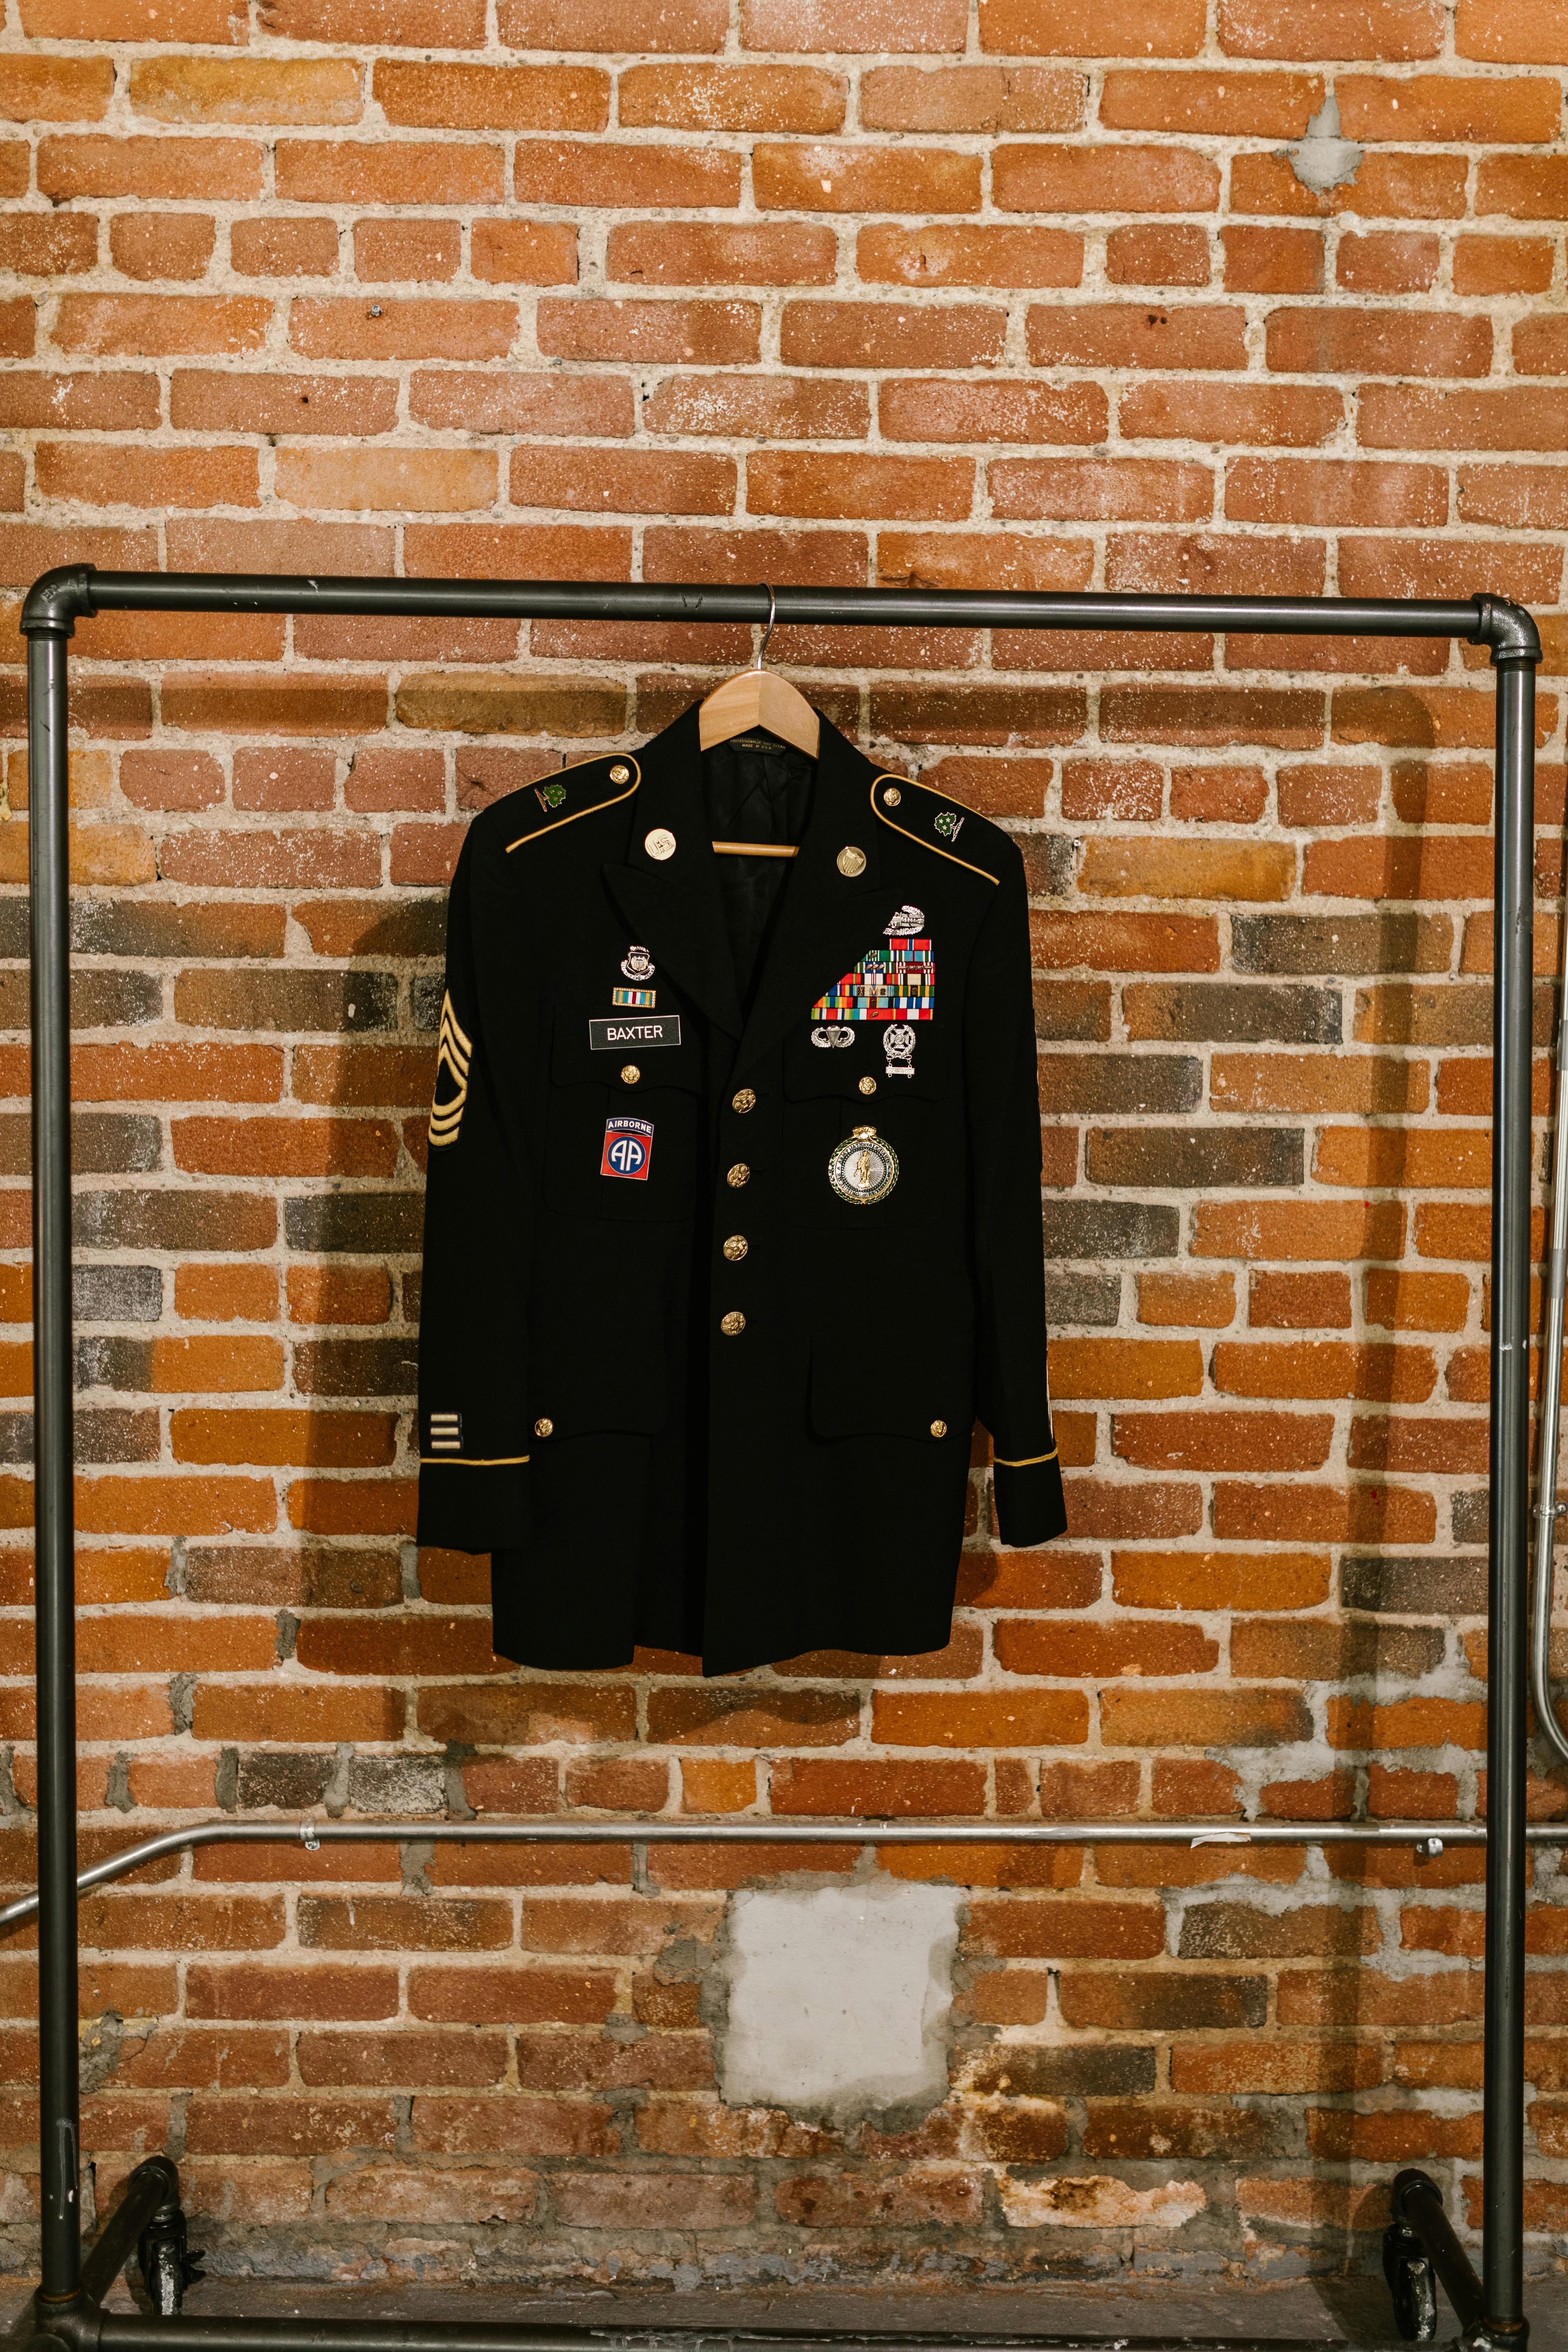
54,1533
1509,1502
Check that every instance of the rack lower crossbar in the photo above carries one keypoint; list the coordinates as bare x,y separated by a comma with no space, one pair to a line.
116,2331
1428,1839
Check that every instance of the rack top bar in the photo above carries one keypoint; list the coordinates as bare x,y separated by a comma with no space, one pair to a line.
76,591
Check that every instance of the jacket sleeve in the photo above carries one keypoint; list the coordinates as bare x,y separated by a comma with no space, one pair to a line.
1012,1395
473,1437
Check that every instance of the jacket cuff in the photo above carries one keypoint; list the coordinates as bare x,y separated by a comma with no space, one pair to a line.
473,1505
1030,1504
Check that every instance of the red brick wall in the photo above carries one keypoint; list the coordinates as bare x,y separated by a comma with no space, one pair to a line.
1024,294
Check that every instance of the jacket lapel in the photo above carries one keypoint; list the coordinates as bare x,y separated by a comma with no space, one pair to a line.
828,918
673,904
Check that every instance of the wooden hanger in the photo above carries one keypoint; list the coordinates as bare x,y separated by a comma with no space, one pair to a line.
758,698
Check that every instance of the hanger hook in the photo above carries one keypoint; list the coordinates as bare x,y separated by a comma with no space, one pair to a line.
767,632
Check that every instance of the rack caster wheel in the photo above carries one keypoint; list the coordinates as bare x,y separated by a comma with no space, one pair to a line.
1412,2283
168,2267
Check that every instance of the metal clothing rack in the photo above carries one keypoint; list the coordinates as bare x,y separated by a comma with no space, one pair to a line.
1420,2247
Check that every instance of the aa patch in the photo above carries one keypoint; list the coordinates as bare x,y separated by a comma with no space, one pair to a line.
628,1149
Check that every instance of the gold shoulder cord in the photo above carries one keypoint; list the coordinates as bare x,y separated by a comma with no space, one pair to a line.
555,825
918,839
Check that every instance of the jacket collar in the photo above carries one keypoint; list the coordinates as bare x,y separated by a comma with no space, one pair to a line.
674,903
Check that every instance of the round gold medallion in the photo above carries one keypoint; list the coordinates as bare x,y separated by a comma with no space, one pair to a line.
543,1427
735,1248
892,797
733,1324
744,1100
630,1074
867,1086
851,861
938,1429
738,1175
659,843
863,1169
619,773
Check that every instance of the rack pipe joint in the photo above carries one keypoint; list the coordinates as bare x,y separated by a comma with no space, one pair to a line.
56,601
1507,628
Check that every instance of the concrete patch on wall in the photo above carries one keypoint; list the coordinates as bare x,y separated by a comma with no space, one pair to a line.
1323,160
839,1999
1099,2201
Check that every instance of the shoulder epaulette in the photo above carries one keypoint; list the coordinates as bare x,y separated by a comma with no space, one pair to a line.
528,815
944,825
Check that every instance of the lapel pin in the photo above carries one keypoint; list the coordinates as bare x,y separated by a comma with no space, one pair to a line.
851,861
899,1045
660,843
637,964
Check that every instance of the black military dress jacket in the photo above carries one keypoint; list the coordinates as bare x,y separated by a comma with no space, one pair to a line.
733,1225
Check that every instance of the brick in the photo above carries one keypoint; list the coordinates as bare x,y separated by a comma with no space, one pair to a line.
1217,105
1269,415
1208,1300
1289,720
1221,1579
601,174
1178,1719
1329,340
1215,563
616,24
161,325
977,1719
94,473
688,97
457,97
46,88
1394,30
1126,1368
889,254
788,409
1387,262
1132,869
247,90
176,168
786,482
703,334
1330,494
153,245
862,24
1073,28
1097,490
1503,32
767,254
1113,335
203,402
1359,1514
826,178
106,401
1273,261
1108,179
967,98
361,327
417,23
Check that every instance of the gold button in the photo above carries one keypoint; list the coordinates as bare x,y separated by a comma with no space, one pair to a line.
618,774
892,797
544,1427
938,1429
735,1248
867,1086
740,1175
630,1074
744,1100
659,844
732,1325
851,861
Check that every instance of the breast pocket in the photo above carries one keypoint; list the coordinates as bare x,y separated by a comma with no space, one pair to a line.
841,1077
623,1129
